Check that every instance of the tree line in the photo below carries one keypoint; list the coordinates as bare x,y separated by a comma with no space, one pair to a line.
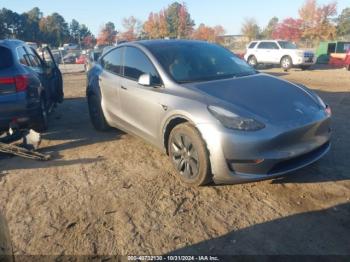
314,23
172,22
33,26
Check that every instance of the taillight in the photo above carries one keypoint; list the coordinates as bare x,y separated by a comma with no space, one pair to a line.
21,82
7,80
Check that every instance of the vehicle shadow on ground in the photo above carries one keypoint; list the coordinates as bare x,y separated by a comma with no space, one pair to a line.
70,122
324,232
326,67
70,125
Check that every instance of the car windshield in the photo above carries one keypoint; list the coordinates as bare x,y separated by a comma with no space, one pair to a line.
197,61
287,45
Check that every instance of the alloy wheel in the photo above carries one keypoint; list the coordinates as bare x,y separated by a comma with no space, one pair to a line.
185,156
285,63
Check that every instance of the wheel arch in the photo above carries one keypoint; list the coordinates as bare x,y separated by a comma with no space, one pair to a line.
252,55
169,125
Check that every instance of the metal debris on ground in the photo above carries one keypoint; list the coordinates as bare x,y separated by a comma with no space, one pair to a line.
23,152
31,141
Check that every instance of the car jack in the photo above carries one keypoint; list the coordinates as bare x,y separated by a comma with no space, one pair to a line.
31,141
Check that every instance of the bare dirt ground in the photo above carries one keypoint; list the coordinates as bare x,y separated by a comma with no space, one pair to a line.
111,193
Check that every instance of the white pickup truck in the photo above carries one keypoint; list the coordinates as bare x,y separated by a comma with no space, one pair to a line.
280,52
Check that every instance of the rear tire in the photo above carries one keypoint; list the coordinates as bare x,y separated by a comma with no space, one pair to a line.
286,63
189,155
97,117
41,123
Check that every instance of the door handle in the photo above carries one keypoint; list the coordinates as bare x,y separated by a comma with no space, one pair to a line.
123,87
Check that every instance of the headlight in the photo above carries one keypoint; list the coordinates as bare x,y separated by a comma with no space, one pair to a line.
326,108
232,121
300,53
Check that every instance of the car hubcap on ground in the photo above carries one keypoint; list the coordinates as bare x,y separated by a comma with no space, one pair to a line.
184,156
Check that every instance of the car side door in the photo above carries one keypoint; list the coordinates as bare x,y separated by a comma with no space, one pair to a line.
266,52
50,76
54,76
34,66
110,83
141,104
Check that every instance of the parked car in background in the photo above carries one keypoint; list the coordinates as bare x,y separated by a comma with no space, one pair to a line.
279,52
326,49
70,46
47,56
214,115
92,58
29,86
69,58
81,60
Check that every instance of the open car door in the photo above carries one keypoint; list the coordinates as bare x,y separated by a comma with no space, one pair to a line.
56,81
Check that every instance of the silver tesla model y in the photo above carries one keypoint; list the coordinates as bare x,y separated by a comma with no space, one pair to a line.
217,118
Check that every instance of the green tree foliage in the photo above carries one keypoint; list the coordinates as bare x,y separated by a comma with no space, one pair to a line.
343,20
270,28
250,29
13,24
54,29
32,26
180,24
107,34
74,29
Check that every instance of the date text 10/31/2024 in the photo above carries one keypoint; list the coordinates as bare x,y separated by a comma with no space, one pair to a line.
173,258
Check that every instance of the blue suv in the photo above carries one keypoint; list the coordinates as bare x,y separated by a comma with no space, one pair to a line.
30,86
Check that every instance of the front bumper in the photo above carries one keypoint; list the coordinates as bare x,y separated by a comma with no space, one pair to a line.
236,156
299,61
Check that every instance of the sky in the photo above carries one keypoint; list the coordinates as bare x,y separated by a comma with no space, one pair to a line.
228,13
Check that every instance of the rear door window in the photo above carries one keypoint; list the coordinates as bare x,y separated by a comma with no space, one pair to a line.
5,58
33,57
268,45
22,56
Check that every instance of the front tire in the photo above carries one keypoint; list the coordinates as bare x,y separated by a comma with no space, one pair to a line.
286,63
96,114
189,155
252,61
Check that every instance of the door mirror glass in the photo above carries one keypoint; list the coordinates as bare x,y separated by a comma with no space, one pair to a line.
145,80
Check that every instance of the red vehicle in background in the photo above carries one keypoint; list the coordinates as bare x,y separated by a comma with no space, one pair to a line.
82,59
340,60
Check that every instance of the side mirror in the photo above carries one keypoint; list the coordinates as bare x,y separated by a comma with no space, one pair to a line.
145,80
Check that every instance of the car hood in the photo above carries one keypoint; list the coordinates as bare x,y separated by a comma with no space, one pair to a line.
270,98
